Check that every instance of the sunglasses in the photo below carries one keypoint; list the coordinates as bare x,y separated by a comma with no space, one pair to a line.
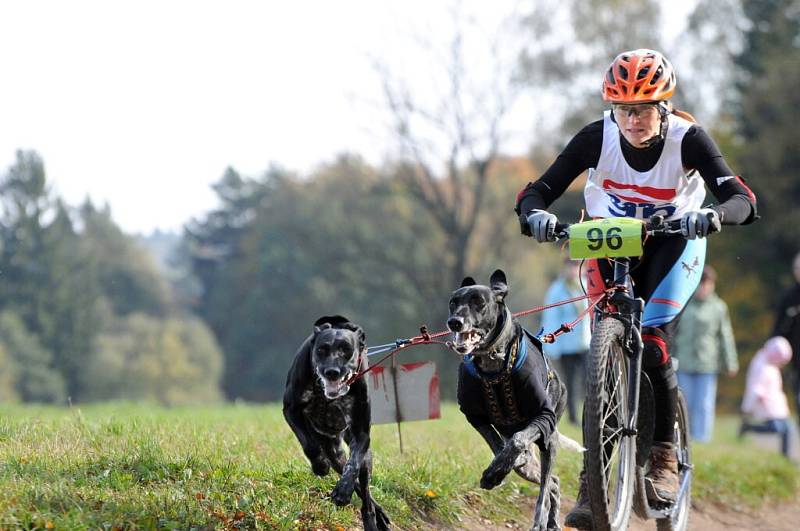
642,110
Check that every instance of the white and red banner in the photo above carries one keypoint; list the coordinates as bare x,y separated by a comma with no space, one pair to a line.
417,396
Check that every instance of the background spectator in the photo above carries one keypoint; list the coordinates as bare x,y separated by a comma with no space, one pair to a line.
764,405
569,349
787,324
704,346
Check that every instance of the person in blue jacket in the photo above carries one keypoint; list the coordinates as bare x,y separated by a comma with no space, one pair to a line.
569,349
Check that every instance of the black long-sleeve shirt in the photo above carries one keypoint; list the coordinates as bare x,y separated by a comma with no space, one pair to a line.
737,204
787,323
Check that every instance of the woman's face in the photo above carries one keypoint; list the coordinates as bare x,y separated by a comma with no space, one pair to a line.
638,123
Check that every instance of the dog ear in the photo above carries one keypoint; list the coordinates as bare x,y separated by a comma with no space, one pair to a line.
323,326
362,340
499,285
362,337
468,281
333,320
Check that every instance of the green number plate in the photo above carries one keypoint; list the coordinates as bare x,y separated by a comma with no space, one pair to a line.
606,238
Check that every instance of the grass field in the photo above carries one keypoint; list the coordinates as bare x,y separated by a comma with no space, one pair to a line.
124,466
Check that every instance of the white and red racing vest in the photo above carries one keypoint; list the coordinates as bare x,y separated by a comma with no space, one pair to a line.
614,189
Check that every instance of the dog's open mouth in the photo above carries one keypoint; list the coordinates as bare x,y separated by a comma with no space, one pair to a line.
335,388
465,342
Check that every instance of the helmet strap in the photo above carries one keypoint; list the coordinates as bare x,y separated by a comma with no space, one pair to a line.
664,110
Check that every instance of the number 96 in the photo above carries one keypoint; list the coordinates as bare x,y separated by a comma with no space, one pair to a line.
612,238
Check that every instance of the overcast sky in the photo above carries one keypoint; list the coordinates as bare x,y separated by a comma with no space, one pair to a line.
143,104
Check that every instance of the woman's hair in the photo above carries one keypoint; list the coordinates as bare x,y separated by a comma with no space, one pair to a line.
685,115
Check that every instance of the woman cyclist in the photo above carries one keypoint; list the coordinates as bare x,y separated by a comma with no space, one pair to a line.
645,158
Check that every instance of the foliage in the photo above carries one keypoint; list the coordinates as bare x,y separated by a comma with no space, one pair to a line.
570,47
28,366
769,107
168,361
46,282
239,467
126,275
66,274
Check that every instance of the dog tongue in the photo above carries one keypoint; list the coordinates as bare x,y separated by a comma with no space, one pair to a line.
335,389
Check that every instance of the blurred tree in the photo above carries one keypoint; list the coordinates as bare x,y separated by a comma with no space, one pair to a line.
170,361
70,312
572,43
126,274
707,73
449,142
25,199
60,281
45,281
768,114
213,246
27,364
8,392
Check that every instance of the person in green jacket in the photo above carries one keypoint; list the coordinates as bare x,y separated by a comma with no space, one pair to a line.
704,347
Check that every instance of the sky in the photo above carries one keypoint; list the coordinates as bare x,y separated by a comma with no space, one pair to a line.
143,104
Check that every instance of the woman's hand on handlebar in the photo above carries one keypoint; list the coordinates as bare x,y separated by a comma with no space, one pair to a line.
700,223
542,225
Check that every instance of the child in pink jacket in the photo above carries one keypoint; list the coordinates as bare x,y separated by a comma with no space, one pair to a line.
765,406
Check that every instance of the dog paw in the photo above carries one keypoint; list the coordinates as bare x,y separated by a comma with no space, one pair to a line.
493,476
500,466
320,468
342,494
377,521
382,519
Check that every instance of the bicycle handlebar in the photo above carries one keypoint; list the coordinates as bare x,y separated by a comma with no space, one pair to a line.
655,226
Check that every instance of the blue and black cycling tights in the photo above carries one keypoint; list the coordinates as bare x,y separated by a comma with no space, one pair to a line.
665,276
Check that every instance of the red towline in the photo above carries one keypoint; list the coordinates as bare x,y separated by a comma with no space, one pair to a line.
426,338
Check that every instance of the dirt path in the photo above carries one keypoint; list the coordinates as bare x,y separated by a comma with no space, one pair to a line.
704,517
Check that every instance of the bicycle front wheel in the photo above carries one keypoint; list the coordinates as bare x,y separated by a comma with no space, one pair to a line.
610,456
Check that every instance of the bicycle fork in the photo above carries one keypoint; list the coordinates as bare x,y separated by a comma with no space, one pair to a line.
632,309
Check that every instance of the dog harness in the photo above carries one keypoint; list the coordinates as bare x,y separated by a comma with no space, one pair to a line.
501,391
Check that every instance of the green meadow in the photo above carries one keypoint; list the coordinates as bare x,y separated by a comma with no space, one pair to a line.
132,466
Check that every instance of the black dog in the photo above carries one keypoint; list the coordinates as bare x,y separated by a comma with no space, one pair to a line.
507,392
323,407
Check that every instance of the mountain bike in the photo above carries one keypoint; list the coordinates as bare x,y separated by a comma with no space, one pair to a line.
619,410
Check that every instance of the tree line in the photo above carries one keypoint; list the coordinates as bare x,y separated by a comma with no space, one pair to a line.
84,313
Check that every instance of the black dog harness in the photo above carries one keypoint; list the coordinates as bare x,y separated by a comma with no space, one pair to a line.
516,394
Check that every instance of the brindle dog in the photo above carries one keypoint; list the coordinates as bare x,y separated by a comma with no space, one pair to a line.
507,392
323,408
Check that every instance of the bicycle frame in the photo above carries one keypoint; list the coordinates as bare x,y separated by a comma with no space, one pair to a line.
623,306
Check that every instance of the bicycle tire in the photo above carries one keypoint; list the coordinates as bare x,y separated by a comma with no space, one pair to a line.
680,518
609,459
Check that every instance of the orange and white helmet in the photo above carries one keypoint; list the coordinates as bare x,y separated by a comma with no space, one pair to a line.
639,76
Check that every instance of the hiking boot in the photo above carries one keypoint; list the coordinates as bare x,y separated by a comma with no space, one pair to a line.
580,517
661,482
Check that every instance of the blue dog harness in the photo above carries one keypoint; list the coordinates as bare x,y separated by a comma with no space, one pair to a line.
502,390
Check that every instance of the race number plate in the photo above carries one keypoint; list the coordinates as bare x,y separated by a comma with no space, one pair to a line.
606,238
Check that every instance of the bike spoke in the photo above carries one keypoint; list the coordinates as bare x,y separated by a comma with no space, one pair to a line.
607,466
